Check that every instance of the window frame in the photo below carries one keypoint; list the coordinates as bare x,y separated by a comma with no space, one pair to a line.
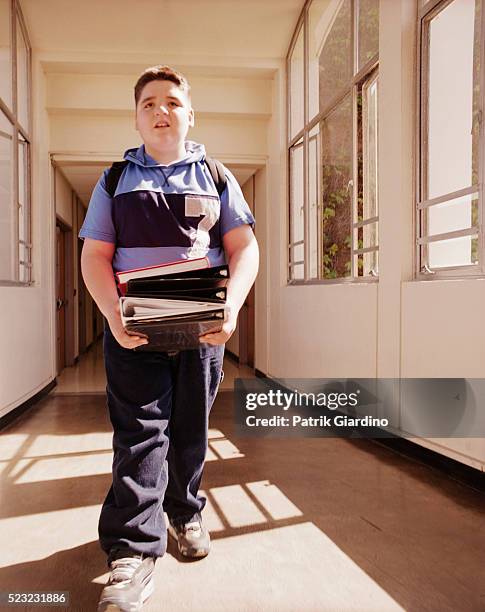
300,27
371,67
426,13
11,115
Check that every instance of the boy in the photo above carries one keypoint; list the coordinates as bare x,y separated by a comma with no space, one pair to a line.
165,207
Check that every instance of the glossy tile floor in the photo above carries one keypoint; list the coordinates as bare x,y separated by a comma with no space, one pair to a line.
297,525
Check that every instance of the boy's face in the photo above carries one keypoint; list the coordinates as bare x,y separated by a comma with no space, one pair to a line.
163,115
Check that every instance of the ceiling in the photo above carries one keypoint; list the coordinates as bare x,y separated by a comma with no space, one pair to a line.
206,37
217,28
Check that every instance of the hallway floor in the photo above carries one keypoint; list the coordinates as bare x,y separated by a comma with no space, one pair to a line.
297,525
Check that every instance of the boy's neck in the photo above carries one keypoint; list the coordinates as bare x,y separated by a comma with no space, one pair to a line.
166,157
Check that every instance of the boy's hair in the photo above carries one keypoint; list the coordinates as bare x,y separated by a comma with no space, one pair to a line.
161,73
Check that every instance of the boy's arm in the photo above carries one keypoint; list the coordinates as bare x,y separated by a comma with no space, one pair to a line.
97,271
242,254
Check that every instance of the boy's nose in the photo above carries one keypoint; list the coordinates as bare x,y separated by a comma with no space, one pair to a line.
163,110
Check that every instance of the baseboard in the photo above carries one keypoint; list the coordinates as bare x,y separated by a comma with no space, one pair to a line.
259,374
451,467
14,414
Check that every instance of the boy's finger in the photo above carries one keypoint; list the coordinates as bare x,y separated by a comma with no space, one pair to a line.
207,337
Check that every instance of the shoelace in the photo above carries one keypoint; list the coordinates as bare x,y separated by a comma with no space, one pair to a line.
123,569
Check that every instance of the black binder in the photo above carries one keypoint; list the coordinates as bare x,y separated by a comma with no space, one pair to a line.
173,311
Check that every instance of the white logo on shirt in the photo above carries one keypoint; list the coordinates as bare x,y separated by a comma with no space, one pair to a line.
195,206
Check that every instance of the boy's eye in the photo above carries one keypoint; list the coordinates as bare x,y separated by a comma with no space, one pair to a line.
148,104
173,103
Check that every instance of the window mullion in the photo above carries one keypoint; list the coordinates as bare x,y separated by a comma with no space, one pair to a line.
15,218
13,31
423,140
306,173
354,272
354,36
319,161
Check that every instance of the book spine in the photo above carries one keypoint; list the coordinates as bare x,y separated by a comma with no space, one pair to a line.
145,272
122,288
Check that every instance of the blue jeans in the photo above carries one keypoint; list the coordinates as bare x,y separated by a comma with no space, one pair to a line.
159,406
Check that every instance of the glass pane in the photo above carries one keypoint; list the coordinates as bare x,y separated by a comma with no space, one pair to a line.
5,54
296,86
6,208
330,52
370,152
366,264
24,233
313,166
22,80
336,135
453,99
455,252
368,18
365,237
298,252
477,105
371,264
5,125
22,189
297,232
297,272
457,214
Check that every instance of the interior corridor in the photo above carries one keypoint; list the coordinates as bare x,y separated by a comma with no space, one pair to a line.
300,524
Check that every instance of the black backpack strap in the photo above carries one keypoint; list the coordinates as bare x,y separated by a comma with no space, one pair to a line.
113,176
217,172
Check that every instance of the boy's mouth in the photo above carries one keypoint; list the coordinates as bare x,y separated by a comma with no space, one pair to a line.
161,124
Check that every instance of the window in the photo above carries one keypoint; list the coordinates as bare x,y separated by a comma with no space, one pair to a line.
15,139
332,150
449,190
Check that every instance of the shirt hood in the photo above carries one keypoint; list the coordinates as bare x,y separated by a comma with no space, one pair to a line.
195,152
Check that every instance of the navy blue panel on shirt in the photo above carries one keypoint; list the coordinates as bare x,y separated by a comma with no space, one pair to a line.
142,219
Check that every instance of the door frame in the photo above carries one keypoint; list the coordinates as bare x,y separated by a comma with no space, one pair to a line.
67,237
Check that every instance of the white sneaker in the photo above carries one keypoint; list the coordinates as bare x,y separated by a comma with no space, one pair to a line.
130,584
192,538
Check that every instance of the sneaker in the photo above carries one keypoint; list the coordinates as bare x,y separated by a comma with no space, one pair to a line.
130,584
192,538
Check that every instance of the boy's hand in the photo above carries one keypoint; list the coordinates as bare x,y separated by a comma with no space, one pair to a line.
226,332
125,339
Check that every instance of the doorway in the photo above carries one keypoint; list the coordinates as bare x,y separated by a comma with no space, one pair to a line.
61,296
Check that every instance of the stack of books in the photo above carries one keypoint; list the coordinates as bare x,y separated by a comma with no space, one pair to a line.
174,303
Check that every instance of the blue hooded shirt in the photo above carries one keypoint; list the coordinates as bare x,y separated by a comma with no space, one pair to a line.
161,213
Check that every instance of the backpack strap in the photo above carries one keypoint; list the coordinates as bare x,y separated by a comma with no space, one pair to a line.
217,172
113,176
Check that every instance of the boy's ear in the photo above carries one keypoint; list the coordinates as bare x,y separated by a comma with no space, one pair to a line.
191,118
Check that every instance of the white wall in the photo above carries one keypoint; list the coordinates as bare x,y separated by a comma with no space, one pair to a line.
27,350
98,135
262,199
63,198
